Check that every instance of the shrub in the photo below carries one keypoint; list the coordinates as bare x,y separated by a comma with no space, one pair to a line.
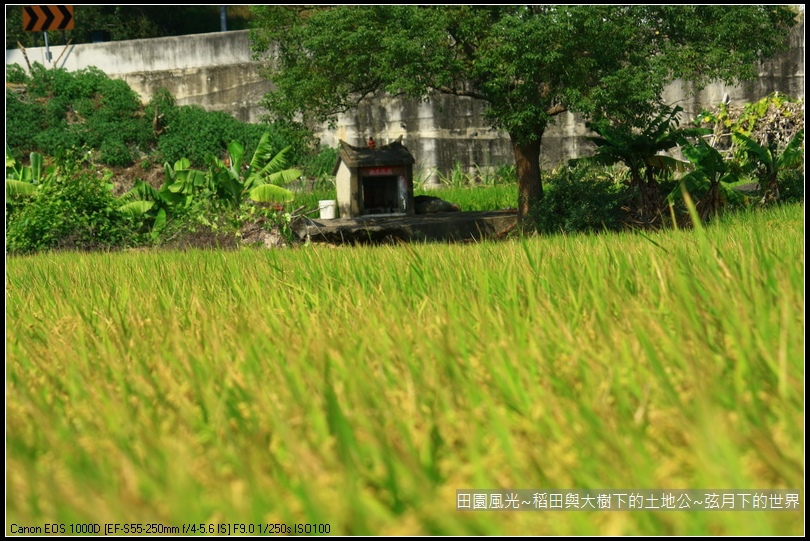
56,140
15,74
74,210
580,200
24,122
194,133
320,163
54,110
204,223
791,185
59,110
115,152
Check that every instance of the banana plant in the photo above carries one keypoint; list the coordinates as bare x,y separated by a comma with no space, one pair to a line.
259,180
179,184
183,180
24,180
712,182
178,190
641,151
145,201
766,161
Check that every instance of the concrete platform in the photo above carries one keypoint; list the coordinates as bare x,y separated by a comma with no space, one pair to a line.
445,226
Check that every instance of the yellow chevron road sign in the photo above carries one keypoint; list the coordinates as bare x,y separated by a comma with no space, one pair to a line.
44,18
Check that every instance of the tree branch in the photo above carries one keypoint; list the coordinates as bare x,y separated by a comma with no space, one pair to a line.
456,92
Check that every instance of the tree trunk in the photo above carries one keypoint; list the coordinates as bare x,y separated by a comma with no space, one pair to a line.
771,194
530,184
710,204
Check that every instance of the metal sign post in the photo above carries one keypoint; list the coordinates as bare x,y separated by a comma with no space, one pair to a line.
48,55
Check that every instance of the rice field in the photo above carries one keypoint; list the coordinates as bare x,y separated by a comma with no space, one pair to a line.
361,387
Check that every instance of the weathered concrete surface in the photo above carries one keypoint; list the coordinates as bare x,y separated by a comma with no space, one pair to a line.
445,226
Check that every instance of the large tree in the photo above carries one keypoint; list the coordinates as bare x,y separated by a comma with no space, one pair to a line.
528,63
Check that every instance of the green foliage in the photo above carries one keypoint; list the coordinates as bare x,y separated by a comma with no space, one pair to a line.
503,174
54,110
456,178
61,110
84,118
190,199
73,210
765,139
56,139
580,199
33,173
273,218
479,176
19,189
192,132
182,187
711,183
16,75
234,179
24,181
791,186
167,214
642,151
286,133
527,63
320,163
114,153
24,123
203,222
767,160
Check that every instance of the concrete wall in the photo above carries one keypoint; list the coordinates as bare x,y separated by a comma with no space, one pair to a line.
216,71
213,70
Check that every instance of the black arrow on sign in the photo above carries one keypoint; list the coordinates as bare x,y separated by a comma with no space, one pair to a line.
49,17
32,18
67,17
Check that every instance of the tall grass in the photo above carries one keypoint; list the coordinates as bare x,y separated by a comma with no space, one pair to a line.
486,197
360,387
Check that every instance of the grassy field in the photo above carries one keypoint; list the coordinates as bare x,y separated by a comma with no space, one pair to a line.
491,197
361,387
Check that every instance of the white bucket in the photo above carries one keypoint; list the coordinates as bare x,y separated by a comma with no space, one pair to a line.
327,208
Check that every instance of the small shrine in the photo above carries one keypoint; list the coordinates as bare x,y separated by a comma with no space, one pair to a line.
374,180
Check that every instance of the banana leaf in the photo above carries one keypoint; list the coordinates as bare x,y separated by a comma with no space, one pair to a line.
135,209
20,188
270,193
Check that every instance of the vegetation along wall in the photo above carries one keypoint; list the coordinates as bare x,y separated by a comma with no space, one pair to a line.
216,71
